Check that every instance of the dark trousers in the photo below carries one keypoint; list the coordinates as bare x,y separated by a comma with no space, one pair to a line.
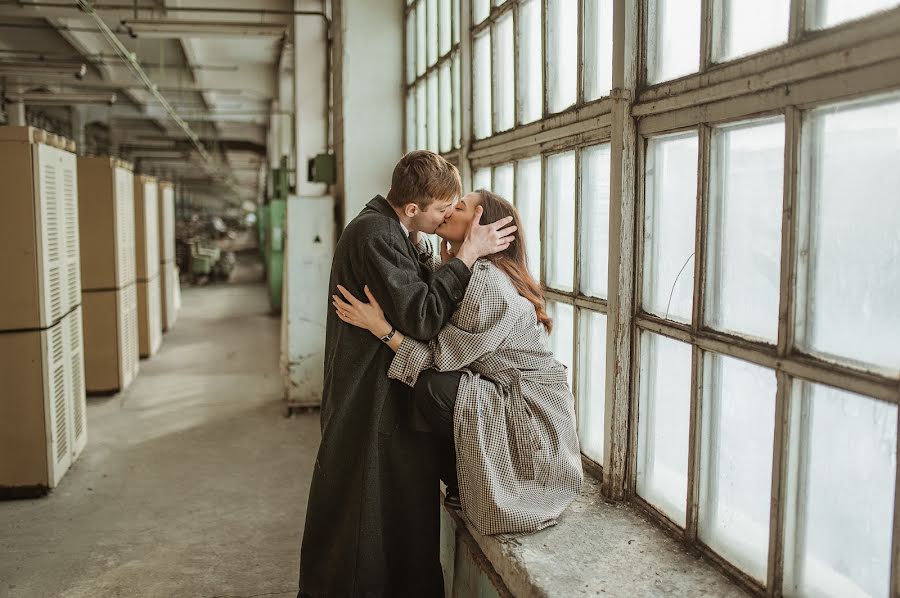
435,398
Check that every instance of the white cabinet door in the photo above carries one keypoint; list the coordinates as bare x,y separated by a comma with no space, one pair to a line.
57,405
51,242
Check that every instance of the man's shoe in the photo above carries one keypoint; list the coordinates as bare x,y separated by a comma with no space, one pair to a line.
451,500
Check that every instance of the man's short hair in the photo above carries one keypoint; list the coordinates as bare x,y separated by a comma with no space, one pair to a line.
422,177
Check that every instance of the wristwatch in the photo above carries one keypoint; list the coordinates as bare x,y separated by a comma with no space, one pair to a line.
387,337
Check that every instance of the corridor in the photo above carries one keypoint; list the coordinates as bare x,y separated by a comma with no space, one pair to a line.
193,484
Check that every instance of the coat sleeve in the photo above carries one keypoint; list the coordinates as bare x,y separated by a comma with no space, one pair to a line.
485,321
416,307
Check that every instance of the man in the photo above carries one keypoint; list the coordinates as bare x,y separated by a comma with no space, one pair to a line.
372,520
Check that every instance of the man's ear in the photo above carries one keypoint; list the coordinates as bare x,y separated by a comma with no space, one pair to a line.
411,209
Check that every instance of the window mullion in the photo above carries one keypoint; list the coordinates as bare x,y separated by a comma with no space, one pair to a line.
785,442
697,374
545,93
515,62
694,431
620,314
797,24
543,216
576,284
494,83
895,540
579,68
708,14
466,99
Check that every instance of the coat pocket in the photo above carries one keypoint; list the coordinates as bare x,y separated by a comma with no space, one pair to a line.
522,434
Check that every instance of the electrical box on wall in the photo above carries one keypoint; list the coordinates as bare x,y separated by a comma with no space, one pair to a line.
322,169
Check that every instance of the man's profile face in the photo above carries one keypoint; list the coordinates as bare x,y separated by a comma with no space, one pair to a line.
428,220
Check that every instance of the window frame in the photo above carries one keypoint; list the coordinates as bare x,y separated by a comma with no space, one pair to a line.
855,59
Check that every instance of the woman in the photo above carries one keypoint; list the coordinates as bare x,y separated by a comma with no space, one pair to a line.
489,385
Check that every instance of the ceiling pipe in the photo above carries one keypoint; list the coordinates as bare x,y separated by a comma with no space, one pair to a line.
207,9
135,66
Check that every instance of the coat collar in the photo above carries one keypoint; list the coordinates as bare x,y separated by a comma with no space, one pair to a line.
381,205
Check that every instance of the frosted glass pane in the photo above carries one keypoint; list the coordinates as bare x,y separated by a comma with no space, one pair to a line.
528,202
598,44
663,420
504,74
445,96
432,112
591,383
736,461
421,117
410,121
595,220
531,77
480,10
457,101
562,337
747,26
420,39
827,13
411,47
562,53
853,186
481,179
744,230
673,38
845,494
560,204
482,82
503,181
670,195
432,39
444,25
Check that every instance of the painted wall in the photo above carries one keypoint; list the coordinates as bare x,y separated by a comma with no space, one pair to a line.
311,82
463,575
369,98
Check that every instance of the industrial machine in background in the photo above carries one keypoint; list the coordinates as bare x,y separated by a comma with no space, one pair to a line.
273,248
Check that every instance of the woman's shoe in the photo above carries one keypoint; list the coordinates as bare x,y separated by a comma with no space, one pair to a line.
451,500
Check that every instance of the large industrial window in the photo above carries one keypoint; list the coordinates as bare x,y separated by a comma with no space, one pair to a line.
714,212
433,89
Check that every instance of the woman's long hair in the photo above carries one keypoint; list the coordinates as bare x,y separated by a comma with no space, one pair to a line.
513,260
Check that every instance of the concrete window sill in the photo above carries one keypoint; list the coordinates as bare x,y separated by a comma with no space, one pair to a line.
596,549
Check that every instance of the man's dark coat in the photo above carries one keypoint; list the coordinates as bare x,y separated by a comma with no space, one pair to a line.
372,521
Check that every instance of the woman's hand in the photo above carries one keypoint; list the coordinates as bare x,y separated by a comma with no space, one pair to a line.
362,315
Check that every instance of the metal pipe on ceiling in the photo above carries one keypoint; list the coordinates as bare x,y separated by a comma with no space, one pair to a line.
155,9
61,57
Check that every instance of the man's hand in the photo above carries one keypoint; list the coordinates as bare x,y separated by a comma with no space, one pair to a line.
482,240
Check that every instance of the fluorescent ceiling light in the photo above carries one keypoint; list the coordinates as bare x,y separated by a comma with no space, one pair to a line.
20,67
172,28
61,99
156,155
157,143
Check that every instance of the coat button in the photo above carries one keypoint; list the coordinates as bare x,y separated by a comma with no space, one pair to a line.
409,379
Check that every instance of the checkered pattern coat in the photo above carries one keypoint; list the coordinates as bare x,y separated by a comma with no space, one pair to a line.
518,457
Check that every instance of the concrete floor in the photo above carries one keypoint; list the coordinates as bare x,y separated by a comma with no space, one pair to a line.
193,484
